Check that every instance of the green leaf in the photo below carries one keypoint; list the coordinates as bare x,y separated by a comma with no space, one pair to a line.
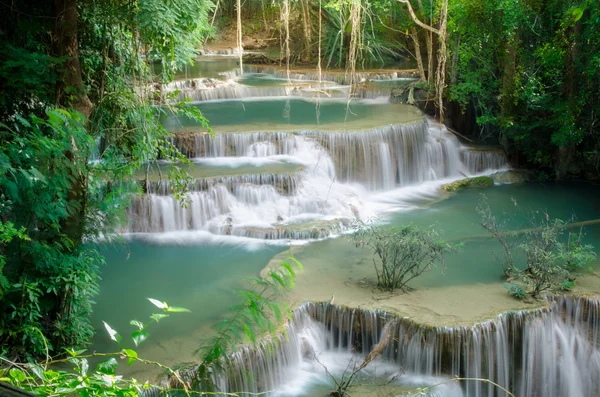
17,375
38,371
158,316
137,323
65,390
131,356
108,367
297,262
159,304
289,268
278,278
139,336
114,335
175,309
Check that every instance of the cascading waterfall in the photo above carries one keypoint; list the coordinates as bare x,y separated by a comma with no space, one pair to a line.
220,52
339,173
340,78
552,352
478,160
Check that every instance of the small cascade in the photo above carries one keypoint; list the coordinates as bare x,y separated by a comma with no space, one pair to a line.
478,160
551,352
208,89
220,52
340,78
285,184
393,156
380,158
255,210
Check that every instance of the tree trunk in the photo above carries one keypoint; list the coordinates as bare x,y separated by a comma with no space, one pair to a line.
442,56
509,71
454,66
70,92
440,81
430,56
415,38
307,29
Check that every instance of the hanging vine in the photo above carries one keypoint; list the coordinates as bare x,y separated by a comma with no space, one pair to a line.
239,36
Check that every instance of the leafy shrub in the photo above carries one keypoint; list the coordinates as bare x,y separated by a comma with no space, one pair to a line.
516,290
401,253
550,262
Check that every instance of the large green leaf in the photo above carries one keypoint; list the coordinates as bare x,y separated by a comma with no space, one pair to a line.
108,367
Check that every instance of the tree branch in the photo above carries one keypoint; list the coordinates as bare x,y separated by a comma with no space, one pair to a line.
416,19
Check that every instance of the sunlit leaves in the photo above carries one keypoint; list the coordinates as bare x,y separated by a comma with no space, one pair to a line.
131,356
112,333
157,303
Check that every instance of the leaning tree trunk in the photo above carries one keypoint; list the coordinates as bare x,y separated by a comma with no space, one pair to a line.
430,56
415,38
440,81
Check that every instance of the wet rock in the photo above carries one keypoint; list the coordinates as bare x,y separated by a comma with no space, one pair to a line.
512,176
250,43
259,59
480,181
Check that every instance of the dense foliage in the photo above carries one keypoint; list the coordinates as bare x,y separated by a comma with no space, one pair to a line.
531,70
77,123
521,73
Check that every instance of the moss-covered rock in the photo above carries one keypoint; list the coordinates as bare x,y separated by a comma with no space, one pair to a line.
512,176
480,181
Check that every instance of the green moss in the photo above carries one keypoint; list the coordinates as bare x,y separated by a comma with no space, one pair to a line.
480,181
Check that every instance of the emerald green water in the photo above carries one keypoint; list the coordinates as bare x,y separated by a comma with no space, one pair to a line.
289,114
199,277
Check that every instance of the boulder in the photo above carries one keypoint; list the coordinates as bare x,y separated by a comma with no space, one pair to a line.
480,181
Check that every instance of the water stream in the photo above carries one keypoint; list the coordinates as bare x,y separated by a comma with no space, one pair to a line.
291,167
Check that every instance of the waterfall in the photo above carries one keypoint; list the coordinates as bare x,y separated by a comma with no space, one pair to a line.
220,52
337,174
283,183
331,190
412,153
550,352
340,78
477,160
